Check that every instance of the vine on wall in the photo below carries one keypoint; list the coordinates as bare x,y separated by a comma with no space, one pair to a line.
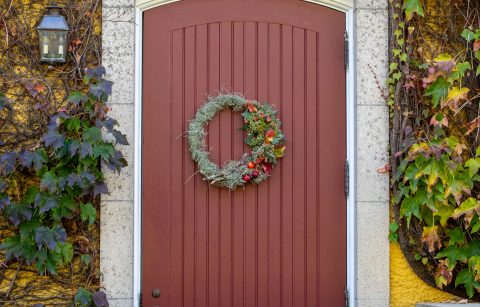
54,134
435,153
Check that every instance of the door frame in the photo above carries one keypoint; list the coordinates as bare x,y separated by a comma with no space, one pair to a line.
345,6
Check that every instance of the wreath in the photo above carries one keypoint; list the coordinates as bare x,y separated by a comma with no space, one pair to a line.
263,136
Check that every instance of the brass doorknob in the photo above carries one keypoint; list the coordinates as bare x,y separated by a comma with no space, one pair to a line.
156,293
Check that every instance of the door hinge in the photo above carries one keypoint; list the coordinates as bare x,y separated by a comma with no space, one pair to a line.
347,297
140,299
345,50
346,179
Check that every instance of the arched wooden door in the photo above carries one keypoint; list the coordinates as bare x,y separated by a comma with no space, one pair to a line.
282,243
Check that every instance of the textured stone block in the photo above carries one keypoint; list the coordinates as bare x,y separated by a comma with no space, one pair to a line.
371,4
372,303
118,3
118,52
373,273
116,248
372,147
372,56
121,186
121,303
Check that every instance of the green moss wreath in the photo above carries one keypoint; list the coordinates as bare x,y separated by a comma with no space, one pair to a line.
264,137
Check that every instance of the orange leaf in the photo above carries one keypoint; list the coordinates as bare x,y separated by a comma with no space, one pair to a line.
431,238
443,275
39,88
476,45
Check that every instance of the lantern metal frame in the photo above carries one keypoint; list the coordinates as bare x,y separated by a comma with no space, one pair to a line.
53,32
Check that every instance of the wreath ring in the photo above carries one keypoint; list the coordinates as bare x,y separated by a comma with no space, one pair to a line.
264,137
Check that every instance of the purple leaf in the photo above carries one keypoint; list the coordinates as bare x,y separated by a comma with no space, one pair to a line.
117,162
100,88
96,73
100,188
98,123
7,163
73,147
100,299
85,150
19,212
49,204
3,185
88,177
4,200
50,237
109,124
119,137
40,157
26,158
3,102
54,139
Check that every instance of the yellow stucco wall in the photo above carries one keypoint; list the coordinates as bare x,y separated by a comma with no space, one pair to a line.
406,288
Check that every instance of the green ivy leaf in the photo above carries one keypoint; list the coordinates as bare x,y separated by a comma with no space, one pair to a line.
49,182
411,7
456,236
77,98
473,166
459,72
105,151
467,279
72,124
92,135
85,258
467,207
65,208
438,90
453,254
66,251
83,297
468,35
12,247
88,213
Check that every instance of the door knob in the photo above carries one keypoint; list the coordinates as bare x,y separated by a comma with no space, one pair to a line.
156,293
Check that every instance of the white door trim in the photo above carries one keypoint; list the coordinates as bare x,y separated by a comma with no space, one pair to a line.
345,6
340,5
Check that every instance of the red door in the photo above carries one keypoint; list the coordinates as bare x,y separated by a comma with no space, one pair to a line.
282,243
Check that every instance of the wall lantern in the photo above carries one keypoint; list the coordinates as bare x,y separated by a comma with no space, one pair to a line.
53,35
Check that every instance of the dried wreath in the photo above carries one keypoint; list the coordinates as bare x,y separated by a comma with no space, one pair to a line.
264,137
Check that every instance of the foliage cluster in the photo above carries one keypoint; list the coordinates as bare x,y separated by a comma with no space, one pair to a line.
263,135
435,154
67,165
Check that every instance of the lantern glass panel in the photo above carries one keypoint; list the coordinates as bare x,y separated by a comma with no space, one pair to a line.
53,45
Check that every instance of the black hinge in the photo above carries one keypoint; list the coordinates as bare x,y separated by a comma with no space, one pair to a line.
346,179
345,50
347,298
140,299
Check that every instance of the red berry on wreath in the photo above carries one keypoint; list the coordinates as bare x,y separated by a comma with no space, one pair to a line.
255,174
246,177
251,165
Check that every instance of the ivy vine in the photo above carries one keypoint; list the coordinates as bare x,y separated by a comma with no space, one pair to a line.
435,145
67,181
